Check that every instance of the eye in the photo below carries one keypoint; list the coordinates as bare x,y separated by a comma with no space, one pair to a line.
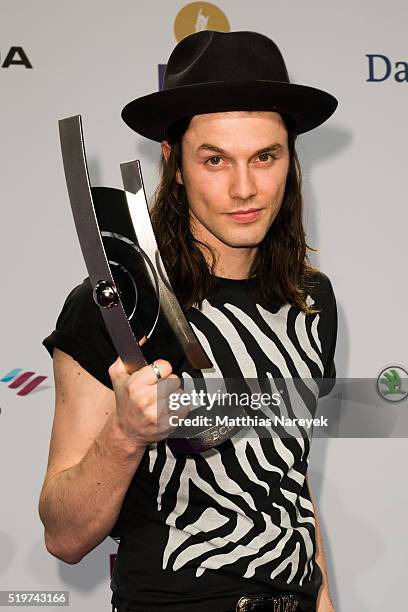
266,157
210,159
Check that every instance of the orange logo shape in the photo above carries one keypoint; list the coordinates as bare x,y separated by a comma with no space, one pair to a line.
198,16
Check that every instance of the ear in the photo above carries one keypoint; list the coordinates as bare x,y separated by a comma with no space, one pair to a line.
166,148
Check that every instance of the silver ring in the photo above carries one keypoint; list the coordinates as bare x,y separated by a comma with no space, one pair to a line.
156,370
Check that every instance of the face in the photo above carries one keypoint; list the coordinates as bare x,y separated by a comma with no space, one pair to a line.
233,162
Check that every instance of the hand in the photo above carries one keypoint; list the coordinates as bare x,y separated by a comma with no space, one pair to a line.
142,401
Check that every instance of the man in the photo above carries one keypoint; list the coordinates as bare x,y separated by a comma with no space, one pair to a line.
232,528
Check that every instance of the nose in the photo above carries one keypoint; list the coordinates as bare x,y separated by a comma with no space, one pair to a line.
242,186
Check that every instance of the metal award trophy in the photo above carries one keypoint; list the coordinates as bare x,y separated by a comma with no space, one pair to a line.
125,269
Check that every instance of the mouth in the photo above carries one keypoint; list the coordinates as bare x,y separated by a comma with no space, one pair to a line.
246,215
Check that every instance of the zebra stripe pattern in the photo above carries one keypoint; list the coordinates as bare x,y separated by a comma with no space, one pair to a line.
245,504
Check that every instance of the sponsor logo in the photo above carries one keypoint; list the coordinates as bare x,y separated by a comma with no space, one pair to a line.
380,68
15,56
392,383
25,382
195,17
198,16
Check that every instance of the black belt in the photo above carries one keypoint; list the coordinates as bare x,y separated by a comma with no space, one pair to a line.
251,603
267,603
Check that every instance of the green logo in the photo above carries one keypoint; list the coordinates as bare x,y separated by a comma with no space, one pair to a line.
392,384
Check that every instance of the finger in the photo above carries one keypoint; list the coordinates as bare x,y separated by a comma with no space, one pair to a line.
167,424
164,368
173,404
142,341
180,380
117,370
167,387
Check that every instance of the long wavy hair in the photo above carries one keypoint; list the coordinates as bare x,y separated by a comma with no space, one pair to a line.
281,263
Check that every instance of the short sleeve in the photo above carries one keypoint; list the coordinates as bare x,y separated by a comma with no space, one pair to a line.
327,332
80,331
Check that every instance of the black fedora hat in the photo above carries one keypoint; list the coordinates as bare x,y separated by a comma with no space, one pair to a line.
210,71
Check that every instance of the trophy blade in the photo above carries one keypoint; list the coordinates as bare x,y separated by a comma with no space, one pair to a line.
90,239
140,216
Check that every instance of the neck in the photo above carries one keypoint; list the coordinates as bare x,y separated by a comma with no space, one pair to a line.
233,263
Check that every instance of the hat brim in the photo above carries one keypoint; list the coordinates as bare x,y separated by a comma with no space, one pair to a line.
150,115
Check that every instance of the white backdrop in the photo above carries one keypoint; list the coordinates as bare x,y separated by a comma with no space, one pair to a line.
92,58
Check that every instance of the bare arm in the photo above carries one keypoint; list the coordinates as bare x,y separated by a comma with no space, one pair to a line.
90,465
324,602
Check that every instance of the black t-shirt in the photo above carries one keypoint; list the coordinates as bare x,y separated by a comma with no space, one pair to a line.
199,531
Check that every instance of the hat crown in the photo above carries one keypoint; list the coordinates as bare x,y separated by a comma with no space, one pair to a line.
216,72
208,56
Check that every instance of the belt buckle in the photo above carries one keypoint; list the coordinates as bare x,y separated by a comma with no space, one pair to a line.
281,603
